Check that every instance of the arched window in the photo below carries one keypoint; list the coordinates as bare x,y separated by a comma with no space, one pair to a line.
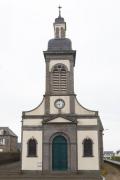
57,32
32,148
59,78
87,148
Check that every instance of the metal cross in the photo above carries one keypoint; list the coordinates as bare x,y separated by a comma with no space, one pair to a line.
59,10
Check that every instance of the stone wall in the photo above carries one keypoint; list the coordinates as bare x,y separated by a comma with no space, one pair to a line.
6,157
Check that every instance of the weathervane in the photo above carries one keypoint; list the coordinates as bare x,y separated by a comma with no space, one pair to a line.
59,10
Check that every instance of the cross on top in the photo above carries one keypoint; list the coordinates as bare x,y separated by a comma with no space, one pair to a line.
59,10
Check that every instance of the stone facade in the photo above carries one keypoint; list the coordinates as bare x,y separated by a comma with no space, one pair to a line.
68,130
8,140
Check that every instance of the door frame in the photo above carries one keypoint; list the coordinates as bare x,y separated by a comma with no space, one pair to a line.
68,152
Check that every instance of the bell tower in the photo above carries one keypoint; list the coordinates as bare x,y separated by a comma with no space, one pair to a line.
60,62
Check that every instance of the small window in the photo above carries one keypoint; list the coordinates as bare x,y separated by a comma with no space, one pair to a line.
32,148
2,141
2,132
87,148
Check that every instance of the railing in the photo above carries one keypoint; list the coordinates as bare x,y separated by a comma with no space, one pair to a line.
112,162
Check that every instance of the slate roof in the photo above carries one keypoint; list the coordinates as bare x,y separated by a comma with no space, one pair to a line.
59,20
108,152
60,44
8,131
118,151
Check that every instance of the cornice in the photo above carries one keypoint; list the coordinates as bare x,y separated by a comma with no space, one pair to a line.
66,116
61,52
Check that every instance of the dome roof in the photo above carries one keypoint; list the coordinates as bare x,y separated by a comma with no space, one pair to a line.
59,20
60,44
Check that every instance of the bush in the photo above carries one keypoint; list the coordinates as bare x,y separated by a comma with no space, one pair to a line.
116,158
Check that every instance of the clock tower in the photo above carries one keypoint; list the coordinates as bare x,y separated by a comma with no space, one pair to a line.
60,62
60,135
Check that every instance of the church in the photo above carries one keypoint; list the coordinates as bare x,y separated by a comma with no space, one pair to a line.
60,135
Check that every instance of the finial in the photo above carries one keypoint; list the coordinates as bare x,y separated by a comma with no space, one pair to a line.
59,10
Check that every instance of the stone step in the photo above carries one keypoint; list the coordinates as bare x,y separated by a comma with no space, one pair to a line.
17,175
46,178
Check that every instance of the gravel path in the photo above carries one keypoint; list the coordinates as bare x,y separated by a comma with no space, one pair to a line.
113,172
10,166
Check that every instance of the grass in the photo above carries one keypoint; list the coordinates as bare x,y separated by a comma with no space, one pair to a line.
104,171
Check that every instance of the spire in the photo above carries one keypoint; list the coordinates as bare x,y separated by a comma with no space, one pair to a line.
59,10
59,42
59,26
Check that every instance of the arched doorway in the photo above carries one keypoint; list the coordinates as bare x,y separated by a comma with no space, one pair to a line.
59,154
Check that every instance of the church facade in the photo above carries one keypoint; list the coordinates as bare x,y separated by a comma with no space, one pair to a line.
60,135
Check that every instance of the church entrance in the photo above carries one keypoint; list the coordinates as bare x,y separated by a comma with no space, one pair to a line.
59,154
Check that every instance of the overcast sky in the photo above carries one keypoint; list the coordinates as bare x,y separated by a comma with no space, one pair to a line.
94,28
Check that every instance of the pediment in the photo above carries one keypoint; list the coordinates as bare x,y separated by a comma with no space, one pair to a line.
59,120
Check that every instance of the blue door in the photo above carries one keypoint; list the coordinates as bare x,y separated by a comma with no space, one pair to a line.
59,154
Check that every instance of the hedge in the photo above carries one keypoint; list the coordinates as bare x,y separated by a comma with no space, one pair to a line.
116,158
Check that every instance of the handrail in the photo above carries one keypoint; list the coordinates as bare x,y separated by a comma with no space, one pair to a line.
113,162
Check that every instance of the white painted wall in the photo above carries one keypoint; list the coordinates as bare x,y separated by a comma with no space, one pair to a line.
87,121
117,154
81,110
53,62
88,163
54,110
32,163
32,122
40,110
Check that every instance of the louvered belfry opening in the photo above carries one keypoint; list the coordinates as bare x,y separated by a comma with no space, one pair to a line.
59,78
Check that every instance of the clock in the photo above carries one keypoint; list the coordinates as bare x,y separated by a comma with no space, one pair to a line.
59,103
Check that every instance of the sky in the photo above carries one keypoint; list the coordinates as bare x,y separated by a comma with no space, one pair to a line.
94,28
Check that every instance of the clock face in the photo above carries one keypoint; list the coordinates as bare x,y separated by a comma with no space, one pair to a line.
59,103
